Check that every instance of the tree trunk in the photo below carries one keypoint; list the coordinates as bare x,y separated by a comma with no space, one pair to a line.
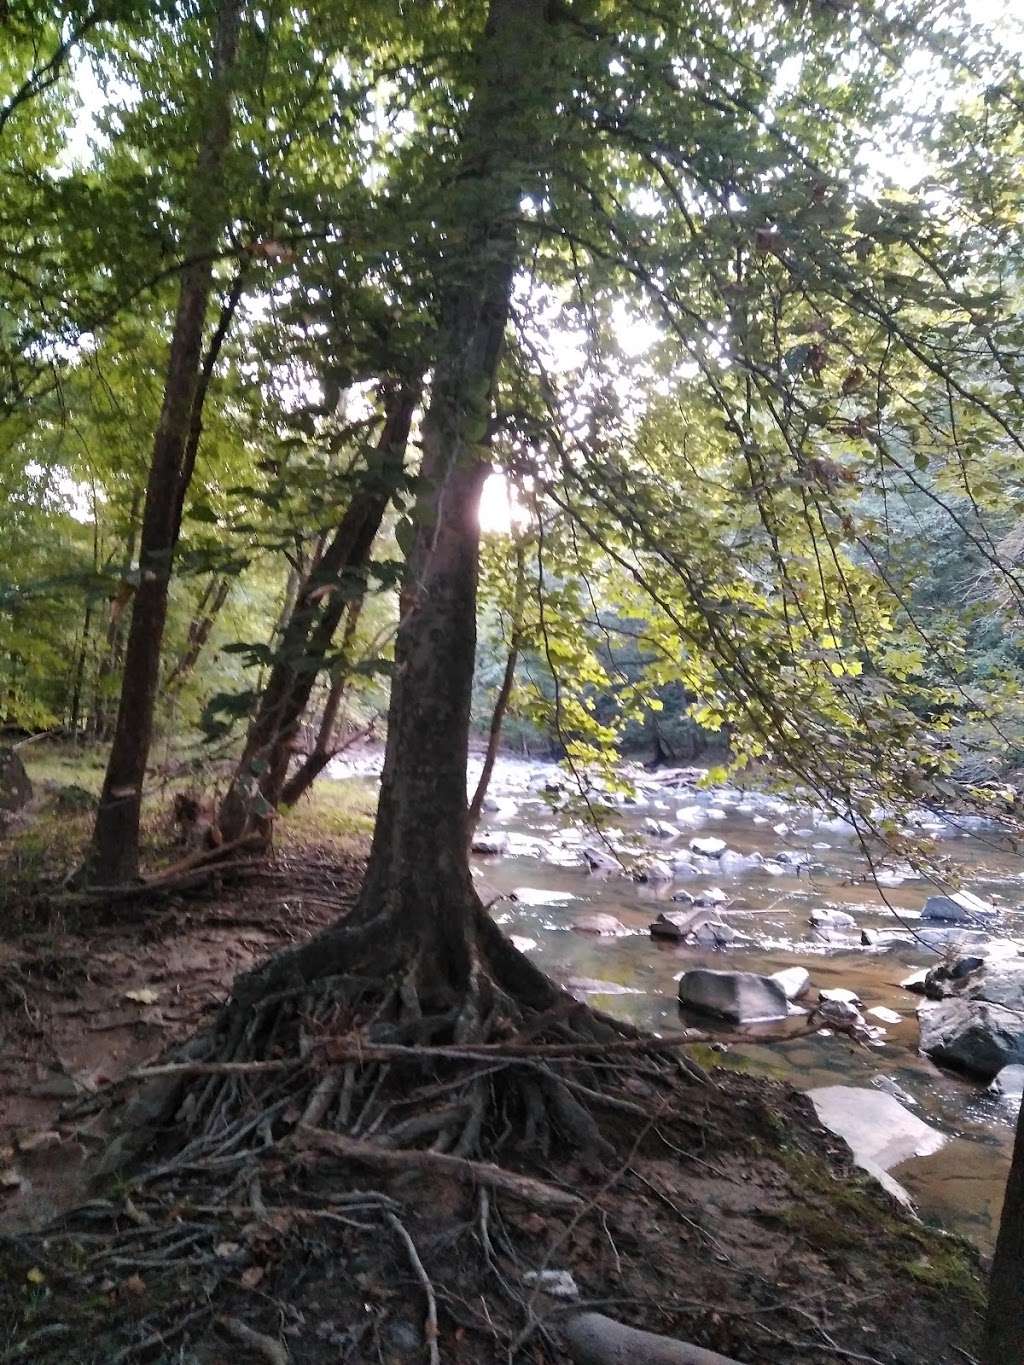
114,855
199,629
504,692
75,714
323,750
419,863
336,580
1004,1322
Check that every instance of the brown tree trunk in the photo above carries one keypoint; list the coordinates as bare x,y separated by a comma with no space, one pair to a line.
199,629
504,692
324,748
419,863
75,714
1004,1322
337,579
110,663
114,855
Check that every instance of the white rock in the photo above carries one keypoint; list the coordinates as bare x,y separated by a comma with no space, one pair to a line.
1009,1082
716,813
661,829
490,842
961,907
708,847
841,995
972,1035
597,922
892,1087
832,919
886,1015
744,997
795,981
781,828
558,1283
690,815
880,1132
759,820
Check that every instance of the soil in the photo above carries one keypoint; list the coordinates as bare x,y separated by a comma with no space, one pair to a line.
727,1217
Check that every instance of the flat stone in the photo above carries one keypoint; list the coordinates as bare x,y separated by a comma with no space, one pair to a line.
832,919
841,995
600,861
971,1035
1009,1081
743,997
655,870
490,843
886,1015
734,862
879,1131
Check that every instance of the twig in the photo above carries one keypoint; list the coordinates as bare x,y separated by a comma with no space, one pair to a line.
430,1327
524,1187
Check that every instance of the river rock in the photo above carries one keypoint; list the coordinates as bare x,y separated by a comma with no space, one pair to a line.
716,813
832,919
597,922
490,843
972,1035
597,860
731,861
792,857
840,994
879,1131
743,997
1009,1082
660,829
795,981
15,787
960,907
655,870
708,847
690,815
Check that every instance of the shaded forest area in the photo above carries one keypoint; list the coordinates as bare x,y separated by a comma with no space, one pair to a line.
581,377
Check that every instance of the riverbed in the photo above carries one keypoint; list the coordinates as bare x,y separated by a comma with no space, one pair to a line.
541,890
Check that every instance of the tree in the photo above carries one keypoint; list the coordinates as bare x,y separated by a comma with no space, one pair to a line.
114,855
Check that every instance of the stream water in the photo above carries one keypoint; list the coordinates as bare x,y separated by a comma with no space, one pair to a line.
635,976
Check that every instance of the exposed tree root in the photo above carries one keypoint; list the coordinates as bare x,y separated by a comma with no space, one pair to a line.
594,1339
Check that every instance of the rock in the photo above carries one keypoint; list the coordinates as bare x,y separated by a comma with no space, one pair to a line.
841,1013
600,861
691,815
655,870
781,828
880,1132
795,981
959,908
597,922
588,985
915,981
840,994
490,843
524,945
773,869
712,895
998,981
759,820
886,1015
715,813
15,787
661,829
791,857
832,919
743,997
558,1283
972,1035
893,1088
687,867
1009,1081
731,861
708,847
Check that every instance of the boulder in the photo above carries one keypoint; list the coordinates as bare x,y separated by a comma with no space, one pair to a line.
597,860
1009,1082
832,919
792,857
708,847
715,813
743,997
15,787
655,870
731,861
961,907
686,867
690,815
999,981
597,922
795,981
490,843
660,829
841,994
972,1035
879,1131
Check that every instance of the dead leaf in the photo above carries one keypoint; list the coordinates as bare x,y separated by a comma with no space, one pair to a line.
251,1277
9,1178
38,1142
225,1250
35,1276
145,995
134,1284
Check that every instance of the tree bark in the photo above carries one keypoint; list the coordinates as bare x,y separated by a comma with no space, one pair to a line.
1004,1322
419,863
75,715
337,580
199,629
114,856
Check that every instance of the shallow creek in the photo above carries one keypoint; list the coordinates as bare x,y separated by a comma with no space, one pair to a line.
634,976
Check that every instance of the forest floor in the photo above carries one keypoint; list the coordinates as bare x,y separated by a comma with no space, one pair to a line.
726,1217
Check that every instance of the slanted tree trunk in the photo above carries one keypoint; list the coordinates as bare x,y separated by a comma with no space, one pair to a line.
324,748
75,711
207,610
114,855
337,579
1004,1322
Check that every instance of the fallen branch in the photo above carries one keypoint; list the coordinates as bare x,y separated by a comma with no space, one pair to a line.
478,1173
594,1339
